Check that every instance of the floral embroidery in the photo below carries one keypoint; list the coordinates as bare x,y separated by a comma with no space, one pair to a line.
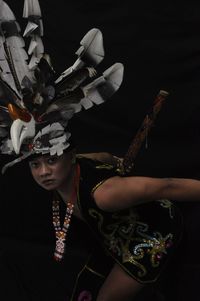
155,245
118,235
132,241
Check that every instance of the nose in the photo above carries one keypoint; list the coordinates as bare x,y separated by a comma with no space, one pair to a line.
44,170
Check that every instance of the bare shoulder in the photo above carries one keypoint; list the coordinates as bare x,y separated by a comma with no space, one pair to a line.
108,195
118,193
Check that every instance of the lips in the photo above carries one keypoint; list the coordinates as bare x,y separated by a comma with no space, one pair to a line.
48,182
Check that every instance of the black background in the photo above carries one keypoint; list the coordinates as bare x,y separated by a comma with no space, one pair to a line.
159,44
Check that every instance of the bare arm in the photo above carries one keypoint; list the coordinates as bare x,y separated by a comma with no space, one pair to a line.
119,193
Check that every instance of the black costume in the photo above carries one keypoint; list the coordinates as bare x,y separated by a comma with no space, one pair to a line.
140,240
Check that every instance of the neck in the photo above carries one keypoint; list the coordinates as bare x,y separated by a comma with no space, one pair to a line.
66,190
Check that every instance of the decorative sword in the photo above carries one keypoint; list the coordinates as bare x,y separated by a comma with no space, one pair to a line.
127,163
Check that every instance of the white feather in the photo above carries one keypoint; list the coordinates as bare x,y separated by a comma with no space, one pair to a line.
91,50
36,46
31,8
92,46
31,26
14,51
6,13
1,5
5,72
35,30
103,87
19,57
96,92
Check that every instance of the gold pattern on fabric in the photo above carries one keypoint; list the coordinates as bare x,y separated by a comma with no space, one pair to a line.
154,245
104,166
168,205
118,166
118,235
131,240
96,186
140,239
94,272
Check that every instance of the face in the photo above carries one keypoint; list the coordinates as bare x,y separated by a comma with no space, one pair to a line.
51,172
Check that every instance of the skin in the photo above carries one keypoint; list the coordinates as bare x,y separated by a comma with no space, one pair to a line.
56,173
53,173
111,196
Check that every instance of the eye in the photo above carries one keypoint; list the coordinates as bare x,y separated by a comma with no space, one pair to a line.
52,160
33,164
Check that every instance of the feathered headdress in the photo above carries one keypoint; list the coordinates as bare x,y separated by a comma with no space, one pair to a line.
35,105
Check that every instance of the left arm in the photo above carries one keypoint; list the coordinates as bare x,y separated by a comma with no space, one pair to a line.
119,193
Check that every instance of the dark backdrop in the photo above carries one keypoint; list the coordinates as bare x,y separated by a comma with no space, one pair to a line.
159,44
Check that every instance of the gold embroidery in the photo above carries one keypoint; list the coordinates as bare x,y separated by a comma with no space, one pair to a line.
104,166
155,245
97,185
129,239
94,272
128,257
118,236
168,205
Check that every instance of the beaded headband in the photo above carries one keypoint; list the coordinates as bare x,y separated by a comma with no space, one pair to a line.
35,103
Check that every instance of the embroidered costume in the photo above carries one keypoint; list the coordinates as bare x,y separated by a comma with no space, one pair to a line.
140,239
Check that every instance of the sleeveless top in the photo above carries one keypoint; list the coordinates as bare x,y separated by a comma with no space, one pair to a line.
141,239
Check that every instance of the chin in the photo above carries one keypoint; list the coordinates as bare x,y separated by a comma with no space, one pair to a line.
49,187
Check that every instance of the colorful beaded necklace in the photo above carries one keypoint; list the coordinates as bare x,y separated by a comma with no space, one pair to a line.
61,233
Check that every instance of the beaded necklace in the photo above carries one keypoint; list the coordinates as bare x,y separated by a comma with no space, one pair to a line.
61,233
